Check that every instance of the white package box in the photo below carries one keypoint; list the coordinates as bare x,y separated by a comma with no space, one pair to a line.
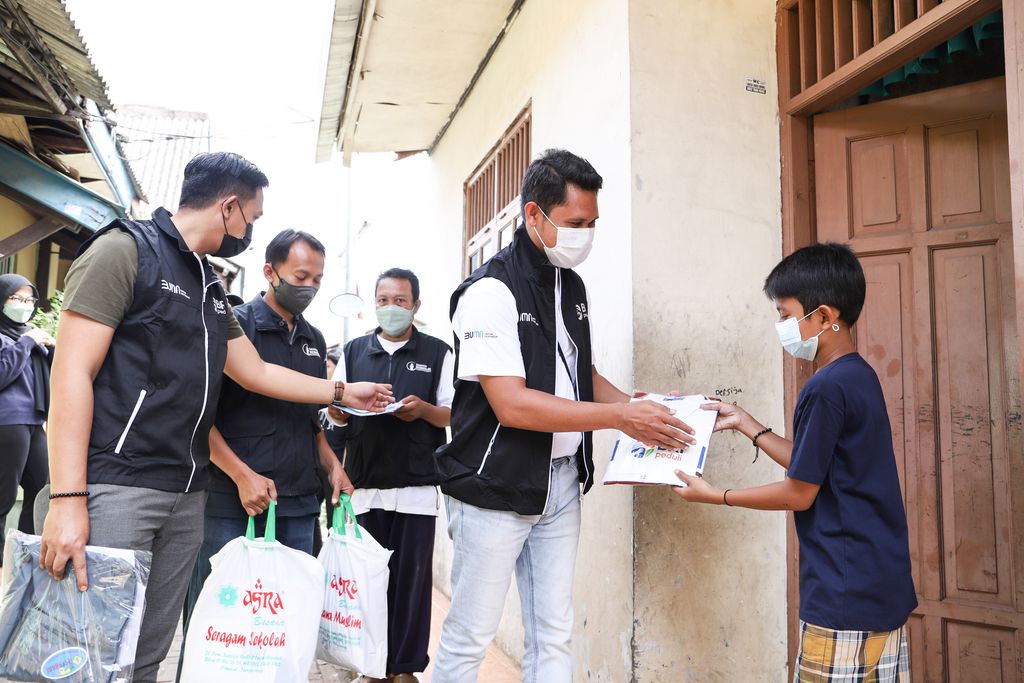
634,463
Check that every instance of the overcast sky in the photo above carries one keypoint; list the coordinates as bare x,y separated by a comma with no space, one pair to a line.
256,67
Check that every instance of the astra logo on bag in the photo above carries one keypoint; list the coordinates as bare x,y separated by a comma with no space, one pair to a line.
346,588
64,663
259,599
174,289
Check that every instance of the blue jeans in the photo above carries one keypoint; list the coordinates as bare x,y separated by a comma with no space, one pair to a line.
541,549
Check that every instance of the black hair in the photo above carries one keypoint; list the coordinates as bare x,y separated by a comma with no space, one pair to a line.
826,274
547,176
334,354
213,176
400,274
281,245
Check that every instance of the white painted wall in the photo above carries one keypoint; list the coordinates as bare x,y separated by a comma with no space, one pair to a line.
570,59
710,581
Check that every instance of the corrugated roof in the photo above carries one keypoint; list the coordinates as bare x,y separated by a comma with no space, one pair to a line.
158,143
61,37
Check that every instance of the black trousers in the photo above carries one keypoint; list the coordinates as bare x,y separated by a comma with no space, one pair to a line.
24,463
411,537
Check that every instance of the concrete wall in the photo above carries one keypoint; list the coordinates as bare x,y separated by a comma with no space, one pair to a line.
570,58
13,217
710,592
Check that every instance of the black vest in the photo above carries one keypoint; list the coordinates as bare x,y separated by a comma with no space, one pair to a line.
277,439
501,468
154,396
384,452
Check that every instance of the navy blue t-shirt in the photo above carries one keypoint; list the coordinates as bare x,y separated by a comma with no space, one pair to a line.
854,553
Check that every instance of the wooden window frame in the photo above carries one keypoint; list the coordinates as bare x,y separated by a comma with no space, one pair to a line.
491,193
815,74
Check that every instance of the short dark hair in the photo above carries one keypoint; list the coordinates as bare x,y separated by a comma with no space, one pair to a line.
334,353
212,176
826,274
546,178
400,274
281,245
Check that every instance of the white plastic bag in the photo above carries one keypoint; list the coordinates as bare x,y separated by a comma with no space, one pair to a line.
257,616
354,622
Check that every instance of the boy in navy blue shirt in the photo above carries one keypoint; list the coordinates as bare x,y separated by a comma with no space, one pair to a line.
856,589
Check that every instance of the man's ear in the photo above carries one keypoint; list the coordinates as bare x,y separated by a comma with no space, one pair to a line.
416,307
268,272
532,213
229,204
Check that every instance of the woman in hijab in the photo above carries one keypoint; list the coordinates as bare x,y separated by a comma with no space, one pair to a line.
25,355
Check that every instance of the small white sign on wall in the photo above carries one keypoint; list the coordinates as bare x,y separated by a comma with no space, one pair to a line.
757,86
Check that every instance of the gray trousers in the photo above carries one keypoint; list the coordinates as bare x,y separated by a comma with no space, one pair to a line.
169,525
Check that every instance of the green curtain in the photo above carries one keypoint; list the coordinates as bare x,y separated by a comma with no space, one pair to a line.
970,41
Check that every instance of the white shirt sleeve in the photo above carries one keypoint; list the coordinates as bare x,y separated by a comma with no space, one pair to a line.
486,323
446,387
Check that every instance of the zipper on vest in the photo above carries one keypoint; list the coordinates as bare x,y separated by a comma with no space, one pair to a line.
206,373
490,445
131,420
576,367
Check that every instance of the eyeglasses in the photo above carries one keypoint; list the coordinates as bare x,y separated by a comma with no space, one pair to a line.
23,299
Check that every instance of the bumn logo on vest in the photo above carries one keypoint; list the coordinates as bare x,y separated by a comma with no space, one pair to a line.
174,289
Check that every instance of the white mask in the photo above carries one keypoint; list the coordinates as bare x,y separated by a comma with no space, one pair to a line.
789,336
19,312
572,245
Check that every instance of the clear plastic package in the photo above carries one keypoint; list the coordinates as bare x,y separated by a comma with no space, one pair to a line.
49,630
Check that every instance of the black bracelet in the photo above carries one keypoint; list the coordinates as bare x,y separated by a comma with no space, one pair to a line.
69,494
757,451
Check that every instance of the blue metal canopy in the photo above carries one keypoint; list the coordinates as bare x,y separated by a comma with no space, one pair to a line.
37,183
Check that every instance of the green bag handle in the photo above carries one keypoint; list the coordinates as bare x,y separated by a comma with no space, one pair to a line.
270,533
343,511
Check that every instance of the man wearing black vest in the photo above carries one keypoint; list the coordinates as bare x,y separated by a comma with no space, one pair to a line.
391,458
132,406
526,400
265,447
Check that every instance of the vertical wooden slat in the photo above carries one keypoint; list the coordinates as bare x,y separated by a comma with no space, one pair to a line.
926,5
808,49
842,22
906,12
862,29
789,53
882,17
824,37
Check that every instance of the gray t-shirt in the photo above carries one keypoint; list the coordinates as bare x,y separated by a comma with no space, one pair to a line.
101,282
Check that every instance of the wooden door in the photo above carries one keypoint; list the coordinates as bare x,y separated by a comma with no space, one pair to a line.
919,187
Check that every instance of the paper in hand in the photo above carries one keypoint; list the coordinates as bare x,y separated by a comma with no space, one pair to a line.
392,407
635,463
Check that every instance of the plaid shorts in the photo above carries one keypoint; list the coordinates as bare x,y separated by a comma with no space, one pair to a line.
830,656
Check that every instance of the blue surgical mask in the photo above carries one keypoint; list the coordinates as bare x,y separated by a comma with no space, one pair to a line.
789,336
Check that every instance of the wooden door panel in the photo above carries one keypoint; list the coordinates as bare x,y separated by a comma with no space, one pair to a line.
972,444
961,168
884,337
879,191
980,655
919,187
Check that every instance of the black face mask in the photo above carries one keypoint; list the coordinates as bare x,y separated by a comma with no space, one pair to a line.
292,298
231,245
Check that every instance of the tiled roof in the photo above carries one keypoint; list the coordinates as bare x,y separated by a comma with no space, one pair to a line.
158,143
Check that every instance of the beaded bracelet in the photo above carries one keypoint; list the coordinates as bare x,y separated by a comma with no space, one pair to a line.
757,451
69,494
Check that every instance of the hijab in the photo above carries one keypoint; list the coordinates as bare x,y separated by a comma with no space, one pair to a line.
9,284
